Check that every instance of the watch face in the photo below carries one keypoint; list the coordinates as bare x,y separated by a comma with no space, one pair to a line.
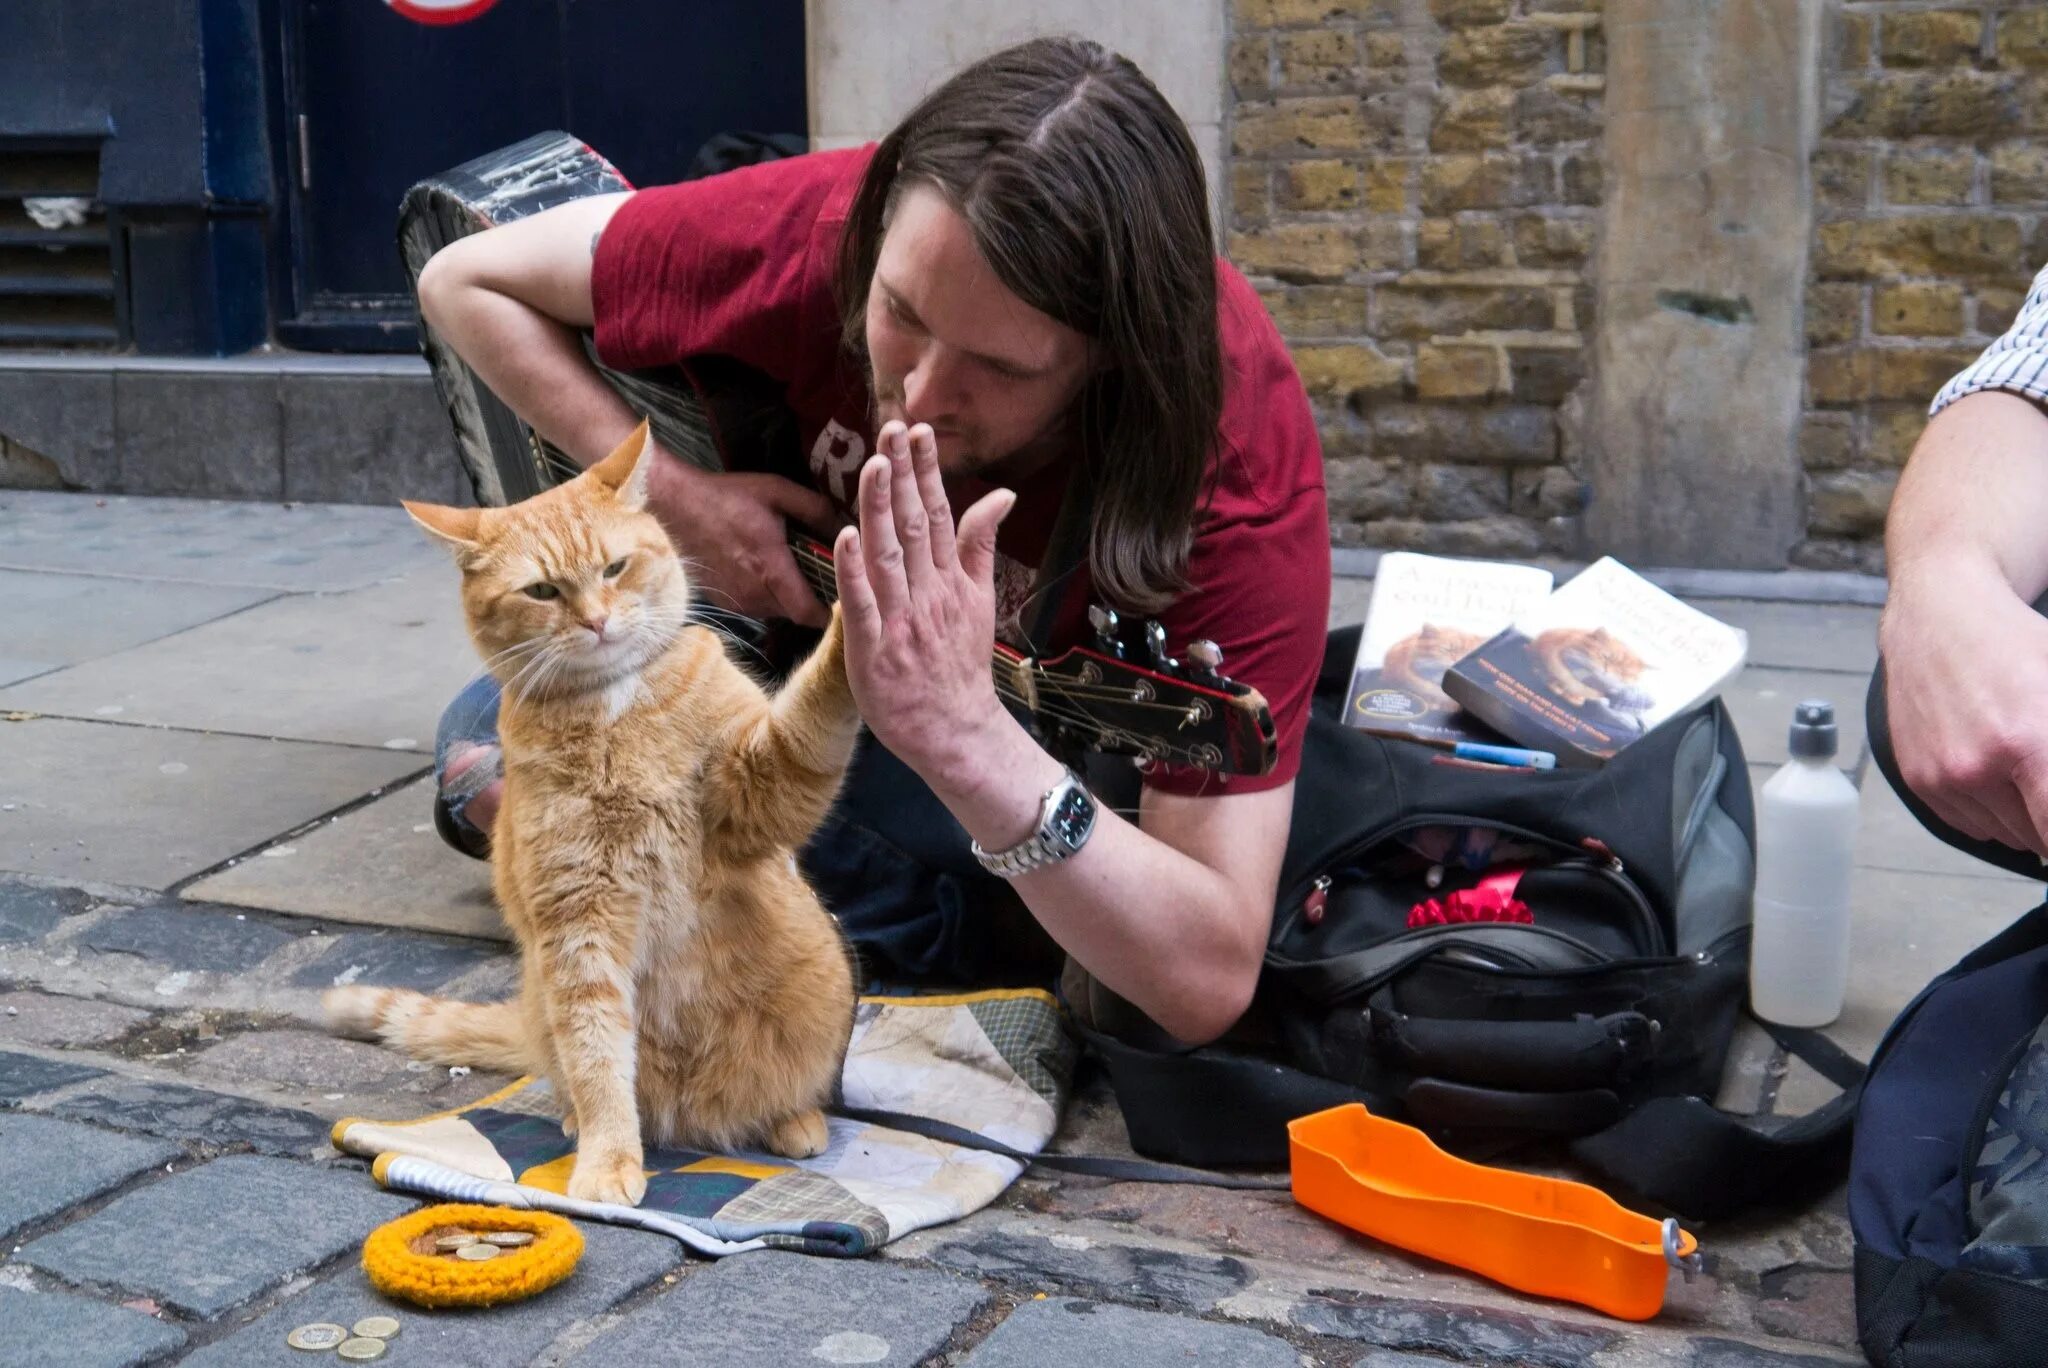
1072,818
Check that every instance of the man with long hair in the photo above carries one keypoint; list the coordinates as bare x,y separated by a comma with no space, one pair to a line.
1011,305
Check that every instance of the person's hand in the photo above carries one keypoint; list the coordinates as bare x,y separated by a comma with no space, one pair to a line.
731,528
1966,695
918,602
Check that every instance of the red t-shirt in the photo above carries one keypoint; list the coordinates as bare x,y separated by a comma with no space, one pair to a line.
741,265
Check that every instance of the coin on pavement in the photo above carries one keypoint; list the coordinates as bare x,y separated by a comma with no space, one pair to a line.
377,1327
361,1350
449,1243
508,1239
320,1335
477,1252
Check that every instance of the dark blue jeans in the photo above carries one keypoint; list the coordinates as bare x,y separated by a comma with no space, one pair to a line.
890,861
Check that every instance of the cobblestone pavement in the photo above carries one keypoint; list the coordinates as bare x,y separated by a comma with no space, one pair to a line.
216,721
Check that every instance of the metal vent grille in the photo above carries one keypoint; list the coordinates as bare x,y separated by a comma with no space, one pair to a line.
57,283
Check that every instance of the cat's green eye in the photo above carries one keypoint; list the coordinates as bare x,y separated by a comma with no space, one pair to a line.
543,591
615,569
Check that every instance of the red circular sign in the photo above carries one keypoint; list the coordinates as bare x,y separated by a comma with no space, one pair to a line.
440,11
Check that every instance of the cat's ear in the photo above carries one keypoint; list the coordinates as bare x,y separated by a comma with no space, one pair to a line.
454,528
625,471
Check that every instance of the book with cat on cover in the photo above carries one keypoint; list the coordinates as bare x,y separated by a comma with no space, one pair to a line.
1426,612
1597,664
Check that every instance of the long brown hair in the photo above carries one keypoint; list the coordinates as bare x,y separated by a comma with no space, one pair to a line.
1085,193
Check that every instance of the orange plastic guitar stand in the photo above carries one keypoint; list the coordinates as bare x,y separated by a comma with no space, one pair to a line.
1539,1235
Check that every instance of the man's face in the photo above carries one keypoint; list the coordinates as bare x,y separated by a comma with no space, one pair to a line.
952,347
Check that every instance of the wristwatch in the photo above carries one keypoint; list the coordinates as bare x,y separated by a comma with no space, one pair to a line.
1066,817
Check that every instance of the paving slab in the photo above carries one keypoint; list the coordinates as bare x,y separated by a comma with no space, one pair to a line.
199,940
1907,928
64,619
210,1118
1724,1353
211,1238
1891,837
59,1330
1064,1330
774,1307
1197,1282
31,911
47,1166
303,548
1480,1334
31,1018
24,1076
309,1060
1762,700
380,960
616,1264
148,807
370,667
381,864
1834,637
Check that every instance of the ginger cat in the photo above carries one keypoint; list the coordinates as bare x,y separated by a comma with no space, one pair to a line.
1581,665
679,978
1417,663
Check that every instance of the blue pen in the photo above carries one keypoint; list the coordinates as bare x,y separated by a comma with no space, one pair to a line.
1505,755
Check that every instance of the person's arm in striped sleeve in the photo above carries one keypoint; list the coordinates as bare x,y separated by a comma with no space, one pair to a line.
1966,655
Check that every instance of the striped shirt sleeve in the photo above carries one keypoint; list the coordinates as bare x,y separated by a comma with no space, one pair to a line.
2017,362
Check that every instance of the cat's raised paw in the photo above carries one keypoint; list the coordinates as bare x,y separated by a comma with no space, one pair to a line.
616,1177
802,1136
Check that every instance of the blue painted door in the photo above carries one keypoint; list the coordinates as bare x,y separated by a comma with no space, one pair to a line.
375,100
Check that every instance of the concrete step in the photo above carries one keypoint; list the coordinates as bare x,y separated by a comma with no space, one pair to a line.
291,426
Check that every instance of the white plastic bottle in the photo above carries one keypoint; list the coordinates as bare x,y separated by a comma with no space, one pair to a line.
1805,852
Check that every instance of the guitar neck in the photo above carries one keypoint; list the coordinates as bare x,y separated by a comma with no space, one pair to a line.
814,559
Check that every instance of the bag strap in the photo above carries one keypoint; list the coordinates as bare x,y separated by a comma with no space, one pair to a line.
1094,1165
1684,1154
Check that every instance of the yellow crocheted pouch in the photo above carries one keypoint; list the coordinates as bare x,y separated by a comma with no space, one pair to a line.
402,1261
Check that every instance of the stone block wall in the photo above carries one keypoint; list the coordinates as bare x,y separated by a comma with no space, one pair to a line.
1931,216
1414,188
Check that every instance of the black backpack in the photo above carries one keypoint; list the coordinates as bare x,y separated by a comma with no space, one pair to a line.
1948,1193
1604,1024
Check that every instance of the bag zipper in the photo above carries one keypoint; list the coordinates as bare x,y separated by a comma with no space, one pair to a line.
1604,861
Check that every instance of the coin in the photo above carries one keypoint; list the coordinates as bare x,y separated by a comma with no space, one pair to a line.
377,1327
361,1350
321,1335
478,1252
449,1243
508,1239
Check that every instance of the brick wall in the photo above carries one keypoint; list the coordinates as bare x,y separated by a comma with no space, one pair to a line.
1931,216
1414,187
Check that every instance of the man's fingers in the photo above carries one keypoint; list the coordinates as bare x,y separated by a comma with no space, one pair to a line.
792,592
978,535
913,532
938,511
802,505
856,599
882,554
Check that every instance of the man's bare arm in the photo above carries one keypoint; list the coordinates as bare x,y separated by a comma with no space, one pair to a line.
512,302
1966,657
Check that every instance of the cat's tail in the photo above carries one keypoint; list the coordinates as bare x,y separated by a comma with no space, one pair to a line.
488,1035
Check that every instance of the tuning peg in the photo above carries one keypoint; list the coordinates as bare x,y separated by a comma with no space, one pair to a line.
1108,630
1155,646
1207,658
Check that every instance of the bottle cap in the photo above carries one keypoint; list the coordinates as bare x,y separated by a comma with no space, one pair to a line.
1813,730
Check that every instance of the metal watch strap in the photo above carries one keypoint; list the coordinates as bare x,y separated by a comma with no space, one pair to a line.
1066,818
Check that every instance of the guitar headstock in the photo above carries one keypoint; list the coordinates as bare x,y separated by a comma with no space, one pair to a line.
1126,695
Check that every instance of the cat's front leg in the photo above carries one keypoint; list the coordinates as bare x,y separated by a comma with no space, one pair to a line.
591,1024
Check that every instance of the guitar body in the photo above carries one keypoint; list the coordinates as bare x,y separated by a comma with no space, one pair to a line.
1123,696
